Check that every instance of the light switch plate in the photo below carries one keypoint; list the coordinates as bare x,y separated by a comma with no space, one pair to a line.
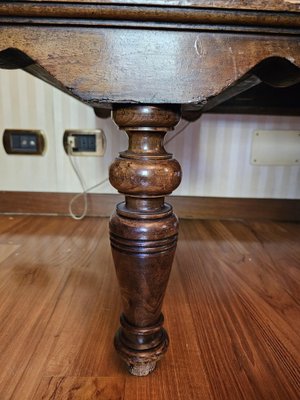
275,147
24,142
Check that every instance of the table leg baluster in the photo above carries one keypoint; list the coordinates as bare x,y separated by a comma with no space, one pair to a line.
143,232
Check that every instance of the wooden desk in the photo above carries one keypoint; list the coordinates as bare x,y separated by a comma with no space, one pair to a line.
150,63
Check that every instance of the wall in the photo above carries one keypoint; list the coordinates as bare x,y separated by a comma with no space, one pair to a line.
214,152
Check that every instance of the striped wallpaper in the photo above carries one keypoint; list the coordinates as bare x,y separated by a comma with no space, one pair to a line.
214,152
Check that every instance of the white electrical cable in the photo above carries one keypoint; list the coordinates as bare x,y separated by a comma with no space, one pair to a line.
83,185
84,194
85,190
177,133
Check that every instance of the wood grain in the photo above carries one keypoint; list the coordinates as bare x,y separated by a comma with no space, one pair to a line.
6,250
78,388
271,5
232,310
198,54
59,301
143,232
67,14
107,65
190,207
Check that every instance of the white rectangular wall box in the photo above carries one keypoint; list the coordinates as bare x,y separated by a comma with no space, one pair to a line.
275,148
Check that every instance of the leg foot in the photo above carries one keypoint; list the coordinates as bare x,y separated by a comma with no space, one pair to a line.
142,369
141,348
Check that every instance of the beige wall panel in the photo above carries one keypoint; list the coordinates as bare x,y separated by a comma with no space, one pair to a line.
214,152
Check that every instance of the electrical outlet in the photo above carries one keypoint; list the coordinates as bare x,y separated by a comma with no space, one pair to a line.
24,141
84,142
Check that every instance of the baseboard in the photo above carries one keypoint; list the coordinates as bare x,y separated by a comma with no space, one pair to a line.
102,205
49,203
237,208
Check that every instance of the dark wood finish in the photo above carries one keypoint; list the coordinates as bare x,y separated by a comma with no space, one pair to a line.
270,5
263,99
143,232
45,203
97,14
107,66
188,207
236,208
242,36
149,61
231,307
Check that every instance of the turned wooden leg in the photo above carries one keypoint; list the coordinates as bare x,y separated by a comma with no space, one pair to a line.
143,232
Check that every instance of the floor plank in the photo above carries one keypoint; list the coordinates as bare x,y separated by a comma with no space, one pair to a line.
232,310
80,388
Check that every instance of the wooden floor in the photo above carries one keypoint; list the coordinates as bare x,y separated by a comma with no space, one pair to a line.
231,309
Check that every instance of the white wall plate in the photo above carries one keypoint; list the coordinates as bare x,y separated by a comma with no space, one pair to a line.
275,148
